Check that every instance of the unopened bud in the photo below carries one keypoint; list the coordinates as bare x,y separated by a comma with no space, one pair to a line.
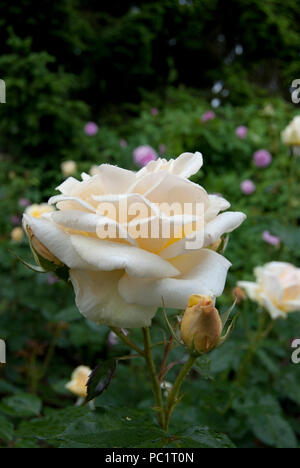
201,325
239,294
40,248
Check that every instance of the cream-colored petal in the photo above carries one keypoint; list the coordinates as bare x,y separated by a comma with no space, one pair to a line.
225,222
292,305
99,226
207,277
274,311
114,179
251,289
107,256
69,186
187,164
56,241
67,202
216,204
98,300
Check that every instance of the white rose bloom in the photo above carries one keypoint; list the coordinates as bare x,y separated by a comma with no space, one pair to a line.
291,134
121,282
277,288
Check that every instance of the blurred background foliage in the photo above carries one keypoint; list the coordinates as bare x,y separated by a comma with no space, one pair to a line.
69,62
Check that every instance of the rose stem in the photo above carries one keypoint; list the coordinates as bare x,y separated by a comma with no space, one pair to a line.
127,341
173,395
155,382
165,357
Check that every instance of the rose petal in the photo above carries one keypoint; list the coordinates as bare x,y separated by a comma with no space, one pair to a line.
187,164
225,222
207,277
56,241
107,256
98,300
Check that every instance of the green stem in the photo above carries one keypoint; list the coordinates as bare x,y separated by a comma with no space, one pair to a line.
173,395
261,333
127,340
154,378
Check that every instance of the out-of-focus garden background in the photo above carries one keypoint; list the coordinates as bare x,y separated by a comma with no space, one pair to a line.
209,75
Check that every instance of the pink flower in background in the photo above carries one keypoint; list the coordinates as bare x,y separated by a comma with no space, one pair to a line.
91,128
209,115
247,187
23,202
123,143
270,239
162,148
112,339
154,111
15,220
142,155
262,158
52,279
241,132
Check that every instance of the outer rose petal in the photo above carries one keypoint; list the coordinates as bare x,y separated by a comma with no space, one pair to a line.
273,310
57,241
225,222
208,277
251,289
184,166
187,164
98,300
216,204
114,179
107,256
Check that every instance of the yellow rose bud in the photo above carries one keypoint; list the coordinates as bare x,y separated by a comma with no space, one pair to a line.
40,248
78,382
17,234
201,325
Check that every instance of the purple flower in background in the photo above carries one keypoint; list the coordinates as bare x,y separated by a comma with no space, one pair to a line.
52,279
162,148
262,158
112,339
123,143
142,155
270,239
209,115
91,128
154,111
247,187
23,202
241,132
15,220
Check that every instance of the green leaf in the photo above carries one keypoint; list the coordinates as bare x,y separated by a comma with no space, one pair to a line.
36,268
200,437
100,378
265,419
85,434
53,425
21,405
6,429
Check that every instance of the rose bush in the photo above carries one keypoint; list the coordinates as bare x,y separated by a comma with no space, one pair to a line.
277,288
121,280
